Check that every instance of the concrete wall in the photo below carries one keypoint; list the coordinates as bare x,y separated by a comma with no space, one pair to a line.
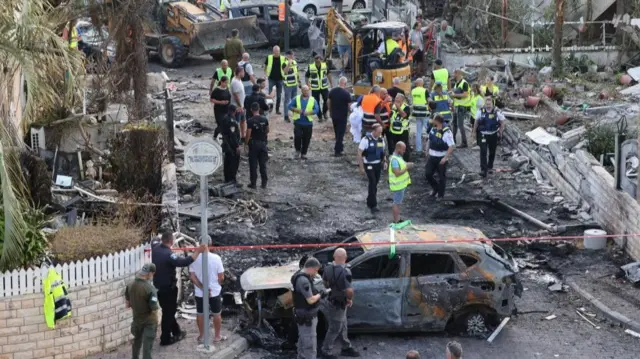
99,322
580,177
457,60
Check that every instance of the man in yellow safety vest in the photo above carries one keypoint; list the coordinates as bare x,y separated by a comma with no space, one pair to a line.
223,70
273,71
439,74
291,80
462,103
303,107
399,123
74,38
420,111
399,178
319,80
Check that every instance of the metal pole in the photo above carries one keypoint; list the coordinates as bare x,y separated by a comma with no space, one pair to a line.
286,25
533,4
204,239
618,165
170,133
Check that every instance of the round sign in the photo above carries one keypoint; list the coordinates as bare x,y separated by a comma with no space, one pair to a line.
203,157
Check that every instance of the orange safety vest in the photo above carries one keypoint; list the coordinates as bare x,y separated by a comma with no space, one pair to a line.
281,11
404,48
369,104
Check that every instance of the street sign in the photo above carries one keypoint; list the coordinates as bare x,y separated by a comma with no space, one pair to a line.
203,157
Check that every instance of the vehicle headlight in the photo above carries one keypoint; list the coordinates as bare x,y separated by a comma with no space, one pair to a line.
379,77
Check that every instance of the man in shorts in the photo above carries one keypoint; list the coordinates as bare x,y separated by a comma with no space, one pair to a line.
399,178
216,277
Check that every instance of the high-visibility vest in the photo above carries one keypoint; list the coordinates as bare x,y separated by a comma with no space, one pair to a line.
291,77
281,10
369,104
385,114
407,55
442,105
398,183
57,305
72,37
466,101
441,75
220,72
419,108
267,71
310,105
222,5
474,104
390,45
494,90
318,79
399,124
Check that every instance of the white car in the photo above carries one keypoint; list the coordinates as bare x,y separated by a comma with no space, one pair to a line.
321,7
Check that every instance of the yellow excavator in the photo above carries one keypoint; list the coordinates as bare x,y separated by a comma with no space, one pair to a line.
369,69
181,28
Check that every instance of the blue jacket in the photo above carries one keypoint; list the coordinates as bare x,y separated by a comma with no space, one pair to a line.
304,121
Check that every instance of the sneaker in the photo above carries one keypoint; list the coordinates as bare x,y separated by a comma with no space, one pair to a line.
375,210
252,186
464,145
303,157
434,193
325,355
287,120
338,154
350,352
483,174
171,341
263,185
278,112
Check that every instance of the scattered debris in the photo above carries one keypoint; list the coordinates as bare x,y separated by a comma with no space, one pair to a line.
498,330
632,333
541,136
632,272
519,115
517,162
634,73
558,287
551,317
587,320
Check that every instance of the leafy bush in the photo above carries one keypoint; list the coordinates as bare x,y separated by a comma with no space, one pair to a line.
77,243
35,240
601,139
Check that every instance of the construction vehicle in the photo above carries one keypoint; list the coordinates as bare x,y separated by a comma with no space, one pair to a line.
369,69
180,28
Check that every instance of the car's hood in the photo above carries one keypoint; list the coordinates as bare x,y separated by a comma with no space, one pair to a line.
261,278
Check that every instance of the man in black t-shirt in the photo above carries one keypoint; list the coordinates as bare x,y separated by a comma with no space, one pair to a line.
220,97
339,102
394,90
258,98
256,138
231,142
273,70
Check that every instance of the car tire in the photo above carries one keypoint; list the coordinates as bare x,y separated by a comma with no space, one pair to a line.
310,10
172,52
475,321
359,4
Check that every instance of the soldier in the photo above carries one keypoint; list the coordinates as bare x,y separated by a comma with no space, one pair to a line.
337,277
166,262
306,301
141,297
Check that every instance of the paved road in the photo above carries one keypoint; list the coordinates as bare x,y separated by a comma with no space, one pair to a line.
526,336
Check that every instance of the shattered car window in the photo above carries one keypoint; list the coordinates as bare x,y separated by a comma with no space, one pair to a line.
423,264
377,267
468,260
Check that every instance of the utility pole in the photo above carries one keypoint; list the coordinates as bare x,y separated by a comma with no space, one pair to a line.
557,39
287,25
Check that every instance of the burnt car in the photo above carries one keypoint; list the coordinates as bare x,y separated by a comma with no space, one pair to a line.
424,285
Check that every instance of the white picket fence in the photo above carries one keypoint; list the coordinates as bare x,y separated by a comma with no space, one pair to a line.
94,270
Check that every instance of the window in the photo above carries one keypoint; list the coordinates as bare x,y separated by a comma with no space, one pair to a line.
468,260
377,267
273,12
423,264
248,11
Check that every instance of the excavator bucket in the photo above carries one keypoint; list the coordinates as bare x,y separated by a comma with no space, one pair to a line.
210,37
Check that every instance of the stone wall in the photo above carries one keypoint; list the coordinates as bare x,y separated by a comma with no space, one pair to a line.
99,322
580,177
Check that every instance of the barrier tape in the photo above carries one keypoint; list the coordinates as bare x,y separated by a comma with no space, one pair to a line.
360,244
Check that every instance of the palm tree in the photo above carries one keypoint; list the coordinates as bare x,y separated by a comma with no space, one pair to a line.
38,72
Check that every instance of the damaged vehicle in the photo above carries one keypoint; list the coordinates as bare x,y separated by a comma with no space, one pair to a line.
423,285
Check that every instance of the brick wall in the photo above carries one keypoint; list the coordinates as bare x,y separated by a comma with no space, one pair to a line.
580,177
99,322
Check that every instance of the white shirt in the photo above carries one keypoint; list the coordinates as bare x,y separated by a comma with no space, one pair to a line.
381,49
237,87
364,144
499,115
215,268
448,138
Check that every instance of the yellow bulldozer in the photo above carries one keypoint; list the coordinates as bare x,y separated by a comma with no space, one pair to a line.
178,29
369,69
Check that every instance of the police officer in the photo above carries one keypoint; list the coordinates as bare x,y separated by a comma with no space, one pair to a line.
441,146
489,125
165,281
257,131
399,123
319,80
442,103
258,97
337,277
231,142
371,161
142,298
306,302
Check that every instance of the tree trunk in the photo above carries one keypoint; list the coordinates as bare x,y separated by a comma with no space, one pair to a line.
620,9
557,39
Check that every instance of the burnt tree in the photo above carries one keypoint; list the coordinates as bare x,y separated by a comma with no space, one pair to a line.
557,39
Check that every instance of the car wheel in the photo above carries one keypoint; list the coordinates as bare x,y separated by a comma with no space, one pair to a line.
476,321
359,4
172,52
310,10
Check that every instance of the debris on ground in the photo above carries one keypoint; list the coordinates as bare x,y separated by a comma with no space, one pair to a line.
632,272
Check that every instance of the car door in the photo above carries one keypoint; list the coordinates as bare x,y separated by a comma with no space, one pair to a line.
263,22
378,285
435,288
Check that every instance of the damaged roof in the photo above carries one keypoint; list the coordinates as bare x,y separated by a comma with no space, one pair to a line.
427,234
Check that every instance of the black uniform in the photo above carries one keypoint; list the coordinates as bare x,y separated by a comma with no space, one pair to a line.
259,98
165,281
338,278
230,131
258,155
